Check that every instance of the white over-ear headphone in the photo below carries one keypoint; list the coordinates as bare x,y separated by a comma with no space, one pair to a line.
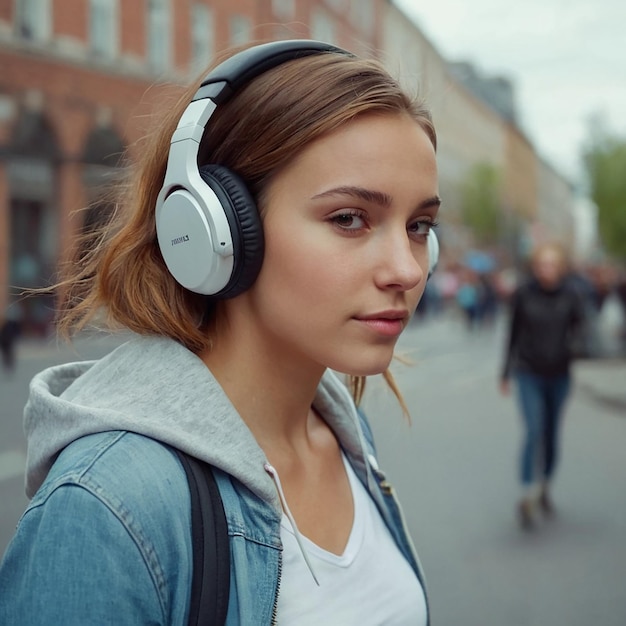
208,226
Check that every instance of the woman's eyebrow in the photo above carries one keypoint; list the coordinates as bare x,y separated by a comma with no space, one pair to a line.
433,202
373,197
367,195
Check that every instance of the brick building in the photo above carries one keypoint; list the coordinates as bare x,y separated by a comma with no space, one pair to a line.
78,82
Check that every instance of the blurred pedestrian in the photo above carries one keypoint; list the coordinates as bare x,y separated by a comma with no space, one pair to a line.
546,313
488,304
10,328
241,316
468,298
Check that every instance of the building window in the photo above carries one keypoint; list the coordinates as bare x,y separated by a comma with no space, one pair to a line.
103,33
284,10
323,27
202,36
240,30
159,40
34,20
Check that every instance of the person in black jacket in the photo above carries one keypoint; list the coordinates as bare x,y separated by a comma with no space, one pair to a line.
546,313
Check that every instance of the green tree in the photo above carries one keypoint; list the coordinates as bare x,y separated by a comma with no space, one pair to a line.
605,162
481,208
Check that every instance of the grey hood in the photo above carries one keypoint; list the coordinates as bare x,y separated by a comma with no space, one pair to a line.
156,387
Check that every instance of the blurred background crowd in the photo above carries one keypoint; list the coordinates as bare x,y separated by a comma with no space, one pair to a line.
477,289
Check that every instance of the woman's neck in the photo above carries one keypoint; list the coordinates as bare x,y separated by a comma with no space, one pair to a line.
271,388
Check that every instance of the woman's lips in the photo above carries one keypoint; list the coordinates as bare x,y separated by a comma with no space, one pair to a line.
387,324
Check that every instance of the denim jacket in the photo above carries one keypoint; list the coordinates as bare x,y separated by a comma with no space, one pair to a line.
122,498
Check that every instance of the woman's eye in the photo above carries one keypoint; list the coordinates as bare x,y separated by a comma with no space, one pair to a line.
349,220
421,227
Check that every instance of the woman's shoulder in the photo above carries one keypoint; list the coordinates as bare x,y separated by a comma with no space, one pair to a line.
126,472
109,532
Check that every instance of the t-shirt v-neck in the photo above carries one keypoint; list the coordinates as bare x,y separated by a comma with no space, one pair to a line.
355,539
369,583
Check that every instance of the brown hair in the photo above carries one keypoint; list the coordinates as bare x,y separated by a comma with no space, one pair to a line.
123,276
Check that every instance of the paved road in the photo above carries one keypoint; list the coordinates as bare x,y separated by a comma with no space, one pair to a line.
454,469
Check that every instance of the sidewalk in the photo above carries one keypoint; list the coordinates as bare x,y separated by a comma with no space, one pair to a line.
604,380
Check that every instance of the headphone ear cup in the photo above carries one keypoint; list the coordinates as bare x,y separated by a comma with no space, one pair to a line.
245,226
433,252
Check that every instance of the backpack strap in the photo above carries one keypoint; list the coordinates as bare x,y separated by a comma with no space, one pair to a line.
210,585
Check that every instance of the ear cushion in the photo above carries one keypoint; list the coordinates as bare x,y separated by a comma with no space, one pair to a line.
433,252
245,227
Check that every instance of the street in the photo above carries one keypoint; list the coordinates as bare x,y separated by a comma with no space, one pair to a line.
455,469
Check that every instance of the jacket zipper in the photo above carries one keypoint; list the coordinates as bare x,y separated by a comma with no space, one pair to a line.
274,474
275,605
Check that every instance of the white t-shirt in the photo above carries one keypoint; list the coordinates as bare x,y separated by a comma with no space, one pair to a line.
370,584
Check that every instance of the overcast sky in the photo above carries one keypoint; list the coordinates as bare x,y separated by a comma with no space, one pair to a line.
567,59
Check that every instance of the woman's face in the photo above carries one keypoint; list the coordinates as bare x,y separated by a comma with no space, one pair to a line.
346,259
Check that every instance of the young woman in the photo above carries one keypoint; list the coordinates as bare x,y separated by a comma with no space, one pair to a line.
546,313
232,358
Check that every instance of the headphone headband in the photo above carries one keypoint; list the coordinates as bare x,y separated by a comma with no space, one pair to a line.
235,72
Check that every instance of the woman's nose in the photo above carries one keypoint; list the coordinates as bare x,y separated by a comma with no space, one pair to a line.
402,263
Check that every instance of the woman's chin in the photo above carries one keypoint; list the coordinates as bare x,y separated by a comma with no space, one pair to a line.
363,369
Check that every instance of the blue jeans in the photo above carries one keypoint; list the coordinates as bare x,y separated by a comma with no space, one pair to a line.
541,401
